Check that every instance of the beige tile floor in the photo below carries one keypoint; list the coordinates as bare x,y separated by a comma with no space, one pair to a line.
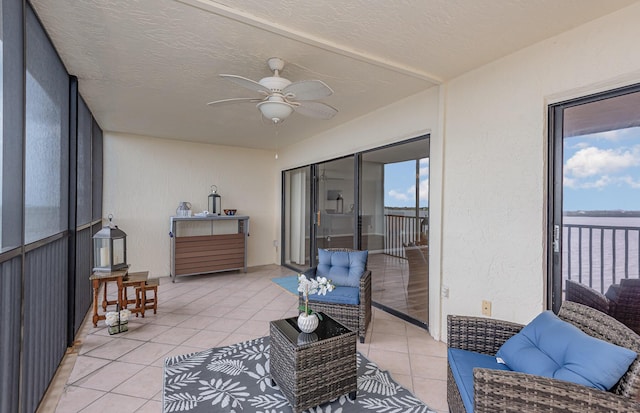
123,372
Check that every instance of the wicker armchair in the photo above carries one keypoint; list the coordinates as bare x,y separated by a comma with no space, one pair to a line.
622,301
509,391
354,317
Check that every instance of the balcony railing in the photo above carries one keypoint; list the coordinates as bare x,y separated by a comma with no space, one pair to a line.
595,255
600,255
399,230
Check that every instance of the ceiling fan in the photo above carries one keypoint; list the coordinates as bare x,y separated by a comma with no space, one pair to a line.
280,97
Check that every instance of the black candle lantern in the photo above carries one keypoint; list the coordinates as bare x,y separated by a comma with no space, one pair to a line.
215,202
110,248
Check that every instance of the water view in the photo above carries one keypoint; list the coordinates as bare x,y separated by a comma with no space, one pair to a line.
601,250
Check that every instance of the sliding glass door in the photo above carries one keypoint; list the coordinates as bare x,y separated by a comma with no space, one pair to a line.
297,222
335,206
376,201
395,221
319,210
594,236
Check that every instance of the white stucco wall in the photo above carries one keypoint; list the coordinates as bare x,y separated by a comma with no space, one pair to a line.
494,225
488,161
145,178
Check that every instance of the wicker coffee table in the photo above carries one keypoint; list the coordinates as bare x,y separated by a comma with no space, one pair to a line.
312,369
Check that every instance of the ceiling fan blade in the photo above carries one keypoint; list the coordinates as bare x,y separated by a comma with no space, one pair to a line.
234,100
316,110
307,90
247,83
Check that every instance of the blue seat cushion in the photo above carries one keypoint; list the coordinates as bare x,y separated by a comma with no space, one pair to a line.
343,268
462,363
551,347
339,295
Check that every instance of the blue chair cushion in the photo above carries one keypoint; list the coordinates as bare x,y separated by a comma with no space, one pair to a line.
339,295
551,347
341,267
462,363
612,292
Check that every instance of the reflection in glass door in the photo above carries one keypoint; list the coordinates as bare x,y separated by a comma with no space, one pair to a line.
335,212
395,217
382,206
297,205
596,210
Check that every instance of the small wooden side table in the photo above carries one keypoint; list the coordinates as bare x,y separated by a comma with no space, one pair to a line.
98,278
135,280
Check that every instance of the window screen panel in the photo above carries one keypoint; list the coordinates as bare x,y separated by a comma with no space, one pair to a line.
84,191
47,136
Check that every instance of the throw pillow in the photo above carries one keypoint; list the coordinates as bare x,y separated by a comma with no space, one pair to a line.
551,347
341,267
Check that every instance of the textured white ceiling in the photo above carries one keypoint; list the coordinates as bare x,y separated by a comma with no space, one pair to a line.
150,66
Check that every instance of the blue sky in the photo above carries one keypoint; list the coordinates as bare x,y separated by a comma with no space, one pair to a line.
602,171
400,184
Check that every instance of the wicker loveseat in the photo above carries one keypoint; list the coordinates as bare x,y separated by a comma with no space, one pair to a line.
621,301
353,316
509,391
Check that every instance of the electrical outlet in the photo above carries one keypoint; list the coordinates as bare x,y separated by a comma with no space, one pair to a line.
486,308
445,291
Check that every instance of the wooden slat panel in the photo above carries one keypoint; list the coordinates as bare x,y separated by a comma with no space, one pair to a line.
209,267
209,253
212,258
229,257
232,262
210,247
209,239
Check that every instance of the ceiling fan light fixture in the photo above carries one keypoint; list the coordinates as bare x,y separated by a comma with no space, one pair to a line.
275,111
279,97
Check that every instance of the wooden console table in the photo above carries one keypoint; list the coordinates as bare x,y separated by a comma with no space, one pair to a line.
201,245
98,278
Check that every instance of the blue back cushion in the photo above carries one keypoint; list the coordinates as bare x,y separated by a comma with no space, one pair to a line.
341,267
551,347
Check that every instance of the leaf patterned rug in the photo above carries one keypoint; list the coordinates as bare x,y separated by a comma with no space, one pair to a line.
236,379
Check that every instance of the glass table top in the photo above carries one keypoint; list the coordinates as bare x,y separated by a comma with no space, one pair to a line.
327,328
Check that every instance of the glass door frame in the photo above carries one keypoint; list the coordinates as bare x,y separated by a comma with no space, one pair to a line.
335,224
314,209
555,131
315,203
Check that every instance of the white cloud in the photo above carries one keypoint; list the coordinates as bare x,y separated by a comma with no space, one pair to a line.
569,182
424,190
600,183
424,168
581,145
400,196
633,183
592,161
410,193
